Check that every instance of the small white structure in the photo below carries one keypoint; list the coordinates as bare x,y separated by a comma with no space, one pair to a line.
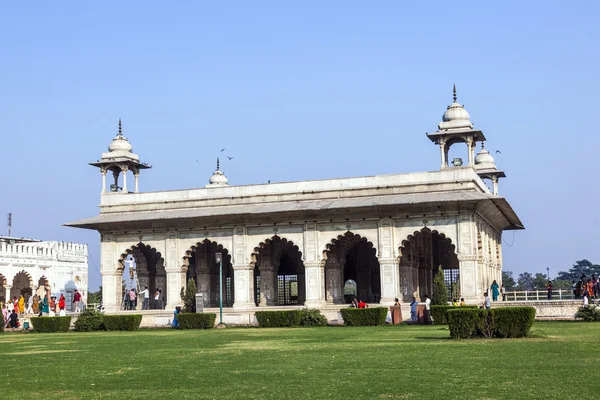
30,266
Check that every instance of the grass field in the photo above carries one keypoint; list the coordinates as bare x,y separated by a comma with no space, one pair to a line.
390,362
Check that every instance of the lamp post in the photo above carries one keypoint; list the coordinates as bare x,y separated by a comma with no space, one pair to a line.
548,272
219,259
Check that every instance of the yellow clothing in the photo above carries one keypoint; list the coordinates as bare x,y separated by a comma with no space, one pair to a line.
21,305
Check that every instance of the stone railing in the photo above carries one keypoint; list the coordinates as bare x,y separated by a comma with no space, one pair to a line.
46,250
538,295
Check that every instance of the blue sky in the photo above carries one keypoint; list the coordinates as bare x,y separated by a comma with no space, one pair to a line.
296,91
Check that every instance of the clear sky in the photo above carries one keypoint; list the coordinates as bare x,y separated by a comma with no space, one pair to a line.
297,91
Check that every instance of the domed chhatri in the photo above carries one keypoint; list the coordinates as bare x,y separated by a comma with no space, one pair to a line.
484,159
218,178
455,117
119,159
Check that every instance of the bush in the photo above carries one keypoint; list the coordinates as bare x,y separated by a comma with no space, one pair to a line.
312,317
51,324
364,316
89,320
438,313
507,322
196,321
440,291
278,319
122,322
189,297
588,314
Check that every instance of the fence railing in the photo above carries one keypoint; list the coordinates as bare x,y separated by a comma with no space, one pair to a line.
535,295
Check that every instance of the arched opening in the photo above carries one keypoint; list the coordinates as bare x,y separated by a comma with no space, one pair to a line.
352,258
142,266
3,289
204,270
421,254
21,286
350,291
279,273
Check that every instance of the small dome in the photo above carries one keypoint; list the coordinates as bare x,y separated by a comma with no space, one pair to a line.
218,178
484,160
455,117
121,144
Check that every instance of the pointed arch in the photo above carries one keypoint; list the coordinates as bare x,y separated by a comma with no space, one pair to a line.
22,284
145,268
351,257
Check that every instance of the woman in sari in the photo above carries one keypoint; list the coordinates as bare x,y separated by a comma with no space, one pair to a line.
175,323
495,290
45,307
36,306
21,304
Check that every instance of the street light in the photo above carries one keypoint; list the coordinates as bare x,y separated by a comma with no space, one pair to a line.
219,259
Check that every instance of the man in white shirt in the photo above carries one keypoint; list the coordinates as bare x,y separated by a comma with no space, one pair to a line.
427,308
146,294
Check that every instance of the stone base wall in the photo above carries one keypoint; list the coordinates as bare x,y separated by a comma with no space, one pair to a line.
546,309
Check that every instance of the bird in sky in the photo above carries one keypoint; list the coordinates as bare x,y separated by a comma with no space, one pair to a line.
498,152
222,150
230,158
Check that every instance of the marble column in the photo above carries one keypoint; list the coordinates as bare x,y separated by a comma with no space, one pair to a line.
103,180
388,274
334,284
175,282
243,278
112,291
315,295
267,287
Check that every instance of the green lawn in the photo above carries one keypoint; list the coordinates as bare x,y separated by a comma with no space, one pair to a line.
559,361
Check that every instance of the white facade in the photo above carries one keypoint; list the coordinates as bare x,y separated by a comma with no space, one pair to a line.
29,267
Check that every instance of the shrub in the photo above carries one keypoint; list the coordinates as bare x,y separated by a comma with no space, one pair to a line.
196,321
89,320
122,322
507,322
440,292
439,313
312,317
588,314
364,316
278,319
51,324
189,297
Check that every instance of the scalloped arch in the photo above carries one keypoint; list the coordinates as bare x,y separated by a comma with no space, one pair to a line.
193,248
350,239
275,238
145,249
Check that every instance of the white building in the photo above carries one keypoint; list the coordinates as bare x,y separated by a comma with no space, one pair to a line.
309,243
30,266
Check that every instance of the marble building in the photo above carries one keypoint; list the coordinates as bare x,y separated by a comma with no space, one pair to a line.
30,266
309,243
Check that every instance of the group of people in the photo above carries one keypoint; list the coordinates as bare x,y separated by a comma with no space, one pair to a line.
358,304
49,306
130,299
586,288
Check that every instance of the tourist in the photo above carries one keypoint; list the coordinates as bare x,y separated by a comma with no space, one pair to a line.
454,302
146,294
426,312
396,302
62,302
162,299
29,309
589,289
549,288
361,304
354,303
10,306
585,299
462,302
21,305
131,299
52,306
495,290
503,292
486,301
175,323
4,315
157,299
36,305
45,307
77,300
595,285
14,320
413,310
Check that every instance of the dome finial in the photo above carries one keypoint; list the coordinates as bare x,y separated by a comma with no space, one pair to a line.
218,164
454,92
120,128
482,144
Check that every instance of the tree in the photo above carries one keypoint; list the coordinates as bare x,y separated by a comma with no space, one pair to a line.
508,281
525,281
189,297
561,284
440,292
540,281
580,267
95,297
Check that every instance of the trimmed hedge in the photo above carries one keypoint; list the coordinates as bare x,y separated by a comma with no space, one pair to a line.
588,314
89,320
51,324
364,316
438,313
312,317
506,322
196,321
122,322
278,319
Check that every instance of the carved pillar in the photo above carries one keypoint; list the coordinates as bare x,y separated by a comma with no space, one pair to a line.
334,284
112,291
103,171
175,281
388,273
471,150
495,185
315,296
243,277
443,154
267,289
137,180
124,170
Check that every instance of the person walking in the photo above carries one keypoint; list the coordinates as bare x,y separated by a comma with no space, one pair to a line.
29,309
413,310
36,304
503,292
146,294
77,300
486,301
62,303
21,305
157,299
549,288
495,290
45,306
426,312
